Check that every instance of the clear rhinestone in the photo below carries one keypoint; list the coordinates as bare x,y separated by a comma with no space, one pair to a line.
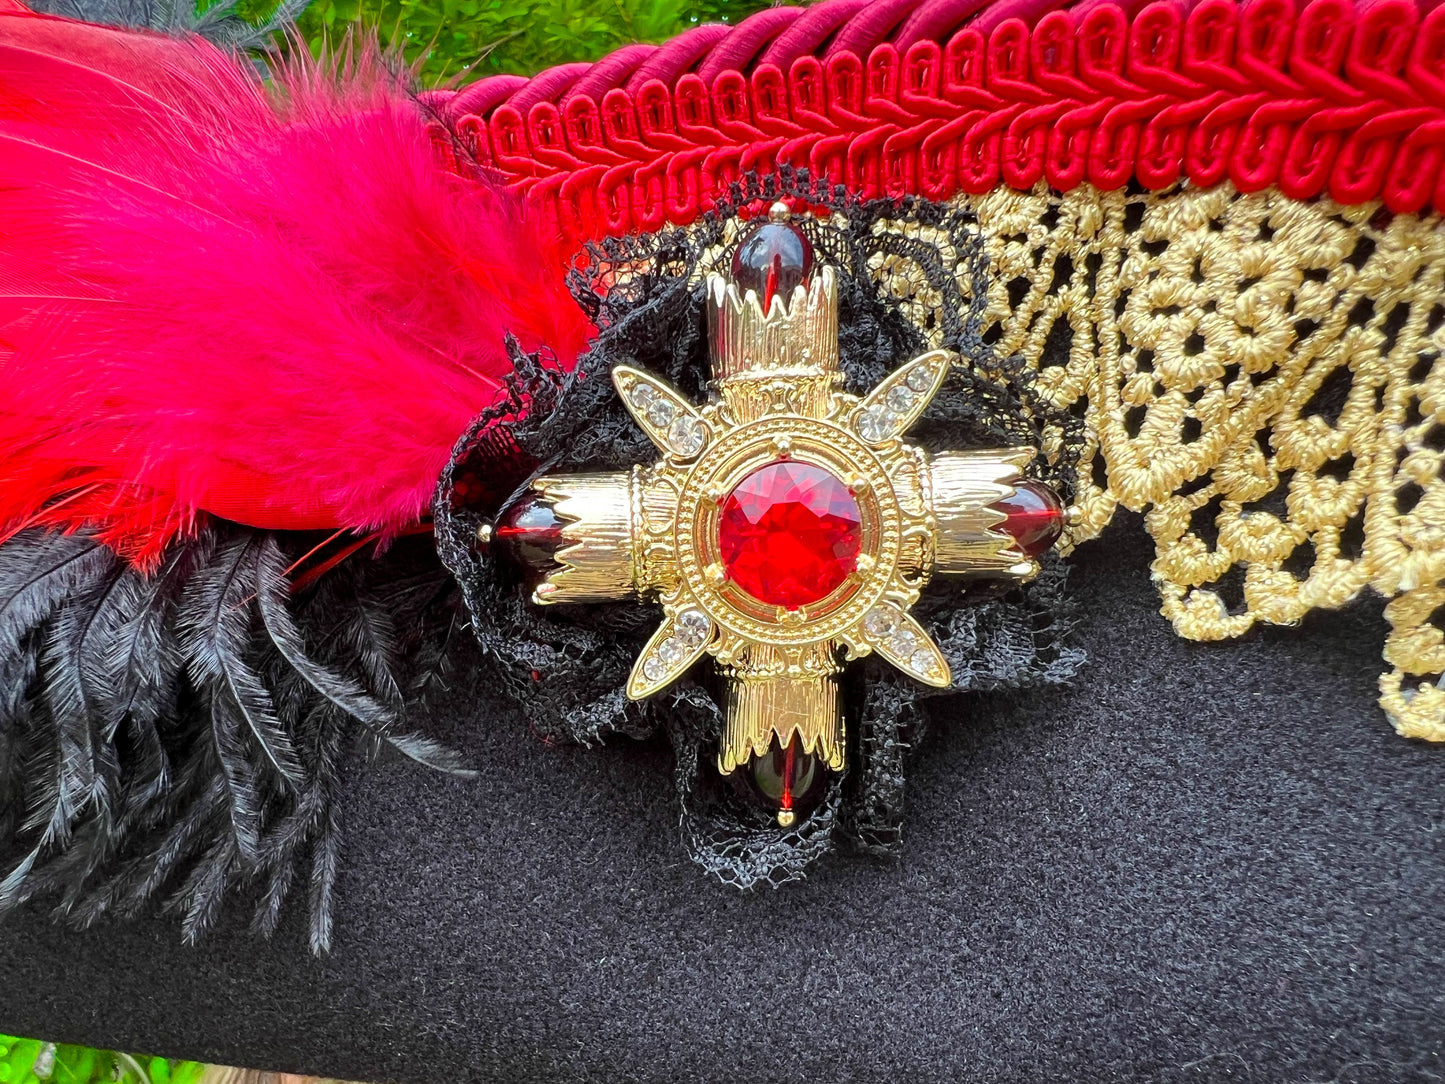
876,423
671,651
921,378
661,413
693,627
653,669
879,624
685,436
921,662
642,396
900,399
902,643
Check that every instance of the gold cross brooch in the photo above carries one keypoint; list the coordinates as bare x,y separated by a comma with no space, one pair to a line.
788,526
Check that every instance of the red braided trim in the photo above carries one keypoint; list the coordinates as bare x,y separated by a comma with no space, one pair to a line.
1329,97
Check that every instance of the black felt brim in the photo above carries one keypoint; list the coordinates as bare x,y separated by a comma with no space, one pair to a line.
1200,862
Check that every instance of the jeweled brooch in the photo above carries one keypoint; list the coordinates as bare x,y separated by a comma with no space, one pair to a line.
789,526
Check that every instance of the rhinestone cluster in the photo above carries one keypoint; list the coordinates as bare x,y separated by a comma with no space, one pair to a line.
889,629
684,434
690,633
881,420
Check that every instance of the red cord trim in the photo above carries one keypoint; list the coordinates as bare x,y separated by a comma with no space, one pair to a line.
1334,97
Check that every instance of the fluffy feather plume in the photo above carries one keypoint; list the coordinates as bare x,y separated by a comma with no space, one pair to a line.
274,305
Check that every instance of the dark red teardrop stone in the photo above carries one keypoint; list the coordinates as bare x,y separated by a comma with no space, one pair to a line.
783,779
529,534
1035,516
775,258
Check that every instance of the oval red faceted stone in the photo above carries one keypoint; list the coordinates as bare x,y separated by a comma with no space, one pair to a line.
1034,516
789,534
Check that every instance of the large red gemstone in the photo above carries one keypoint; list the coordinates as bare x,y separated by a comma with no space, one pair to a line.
789,534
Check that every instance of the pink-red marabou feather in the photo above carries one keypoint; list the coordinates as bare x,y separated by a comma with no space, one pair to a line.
272,304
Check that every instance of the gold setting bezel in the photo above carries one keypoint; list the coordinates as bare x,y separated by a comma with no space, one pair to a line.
733,458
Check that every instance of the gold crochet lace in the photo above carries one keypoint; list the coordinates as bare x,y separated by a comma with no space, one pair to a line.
1261,378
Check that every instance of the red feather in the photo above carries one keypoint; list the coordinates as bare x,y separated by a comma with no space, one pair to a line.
274,305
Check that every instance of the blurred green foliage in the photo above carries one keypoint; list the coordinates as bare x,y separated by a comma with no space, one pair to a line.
29,1061
470,38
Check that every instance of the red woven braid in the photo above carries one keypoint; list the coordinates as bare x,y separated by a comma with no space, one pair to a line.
936,97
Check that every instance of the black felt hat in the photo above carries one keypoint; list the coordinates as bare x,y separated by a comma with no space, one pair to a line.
1198,862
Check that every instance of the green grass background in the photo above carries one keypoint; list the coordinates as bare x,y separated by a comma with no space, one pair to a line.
21,1058
465,39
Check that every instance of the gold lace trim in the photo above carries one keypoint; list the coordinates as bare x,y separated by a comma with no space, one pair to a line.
1261,378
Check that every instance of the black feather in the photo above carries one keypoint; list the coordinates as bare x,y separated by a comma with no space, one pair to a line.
204,891
15,682
74,692
372,640
216,631
177,737
431,753
39,571
324,864
142,661
38,574
268,912
271,596
148,874
241,773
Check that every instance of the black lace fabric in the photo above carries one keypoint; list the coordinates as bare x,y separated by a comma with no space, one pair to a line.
567,665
